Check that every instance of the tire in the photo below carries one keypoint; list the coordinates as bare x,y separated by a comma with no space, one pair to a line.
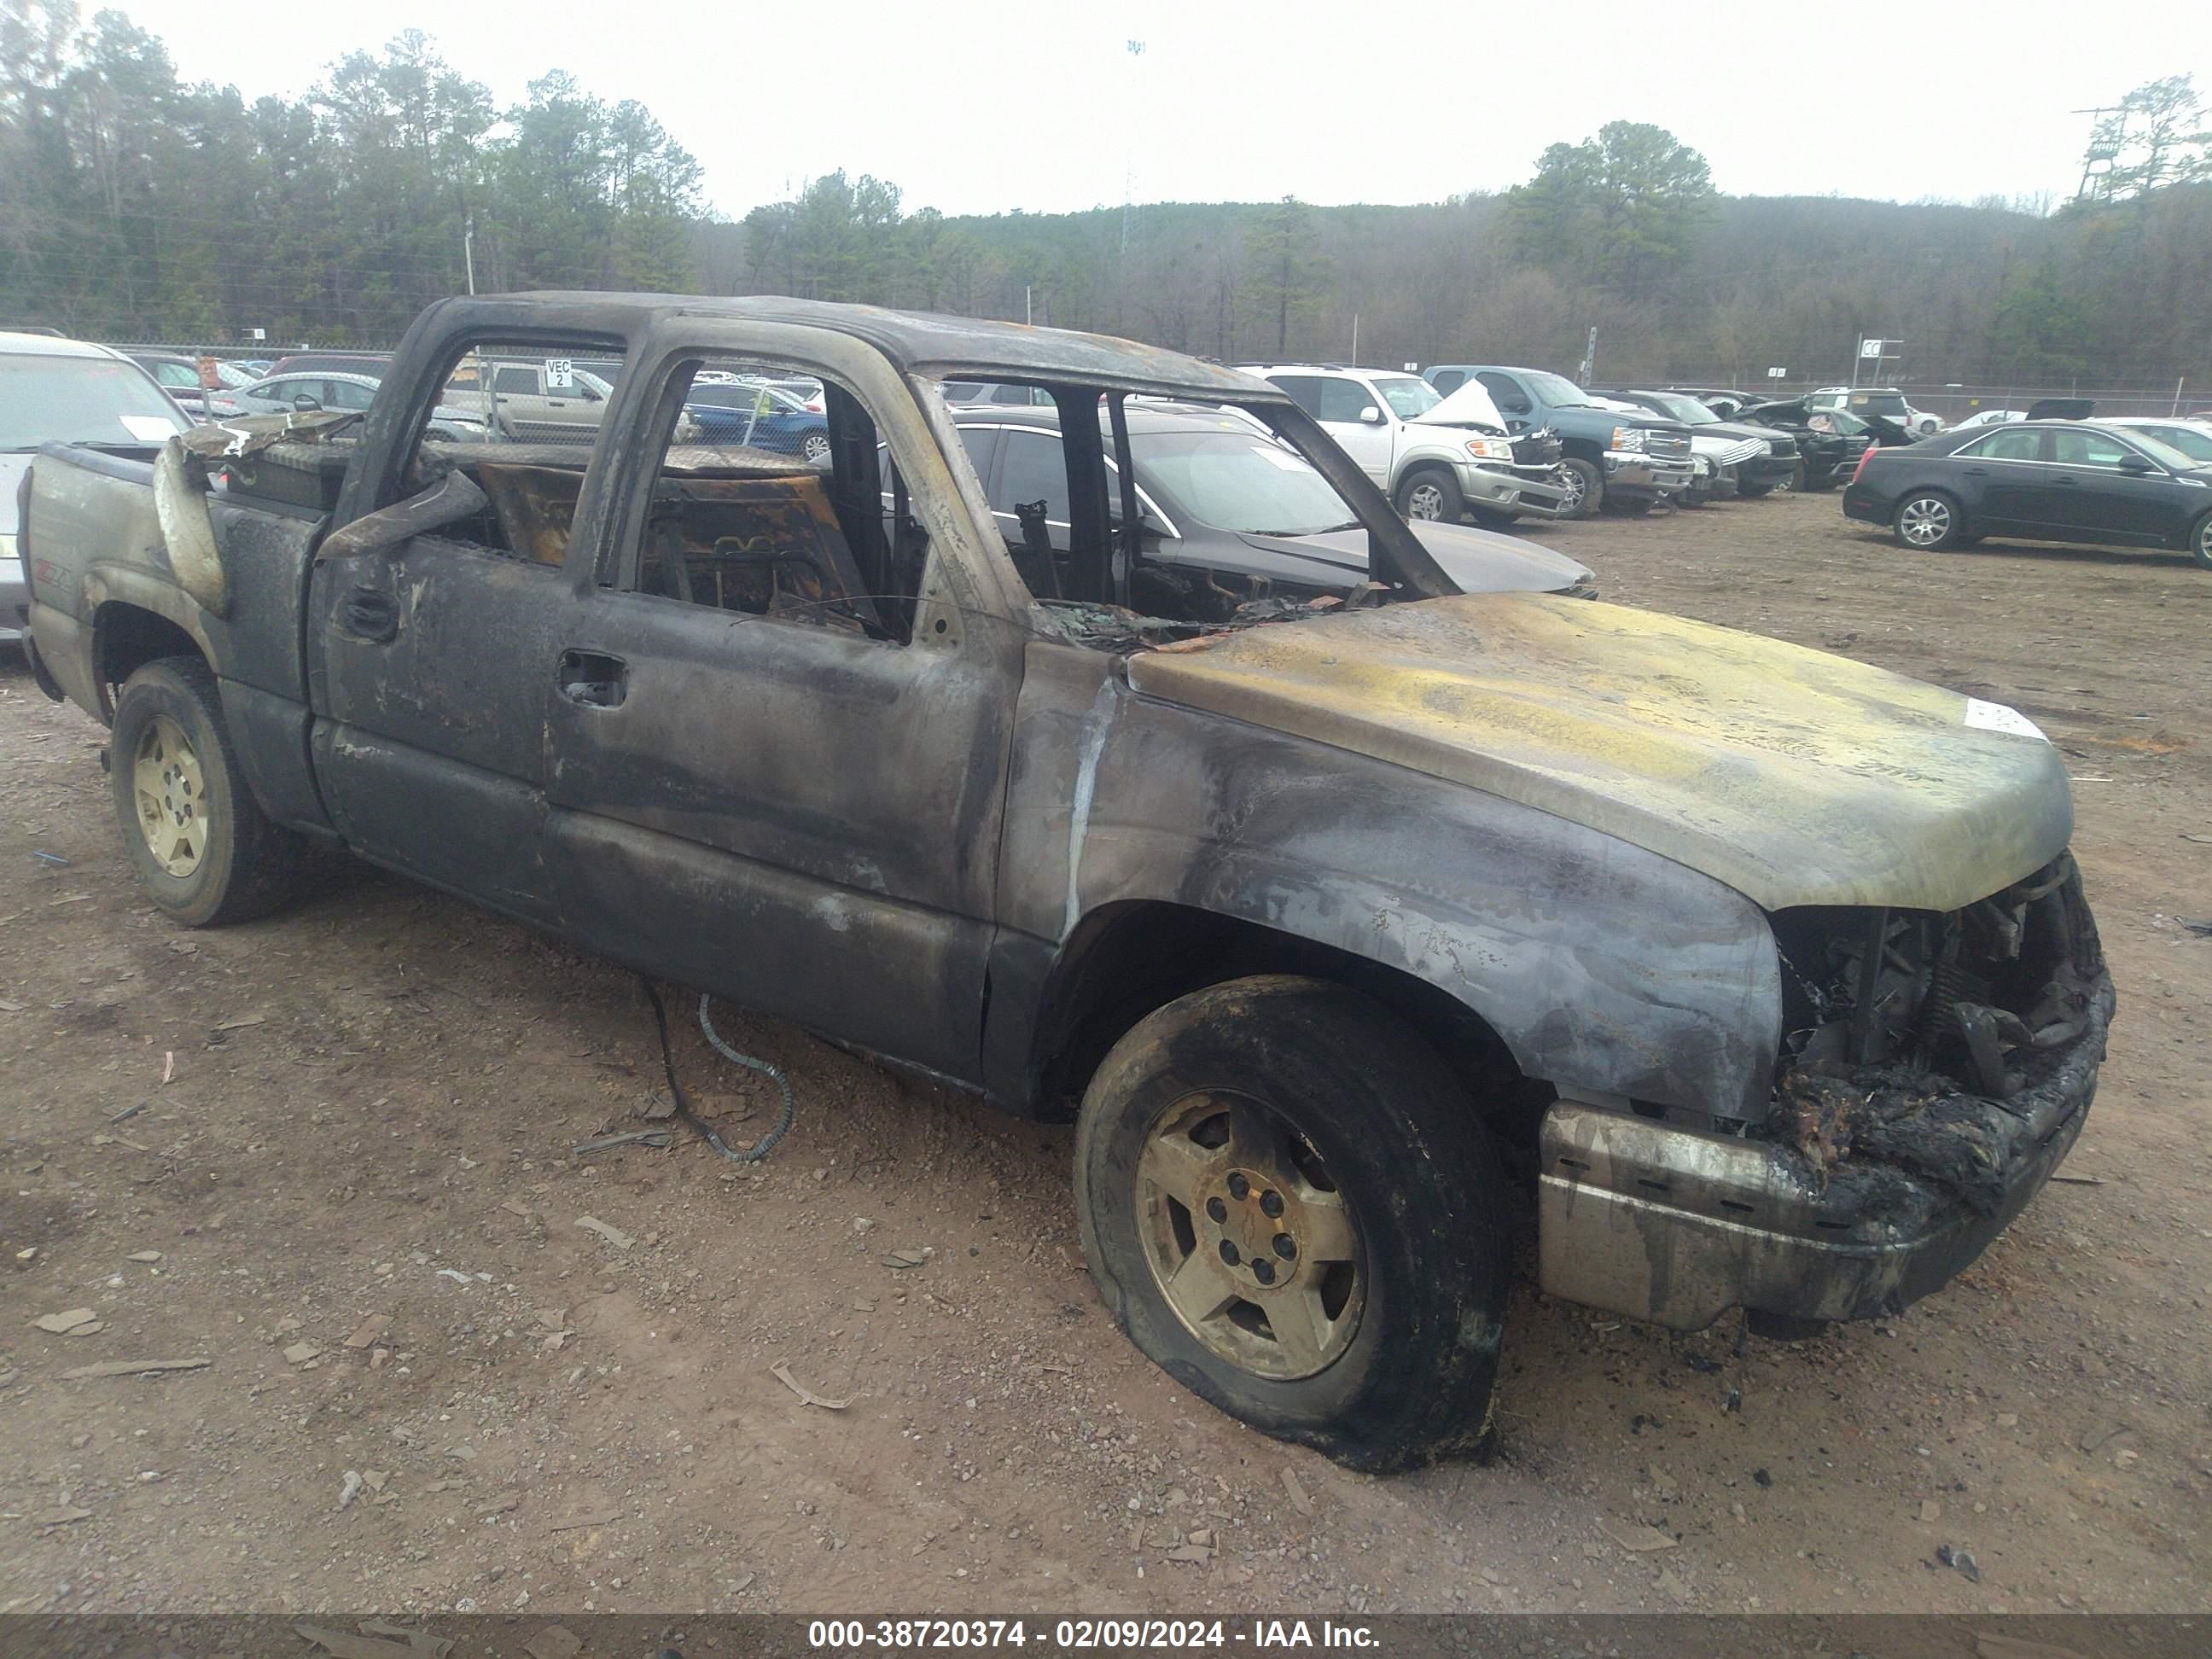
2200,541
1753,491
814,449
1303,1091
204,851
1585,484
1796,484
1492,518
1429,492
1927,521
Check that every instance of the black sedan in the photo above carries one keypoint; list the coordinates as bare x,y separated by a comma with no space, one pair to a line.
1221,499
1829,441
2052,480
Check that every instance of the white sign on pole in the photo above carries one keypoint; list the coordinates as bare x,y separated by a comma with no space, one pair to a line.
1870,347
560,374
260,333
1413,368
1778,373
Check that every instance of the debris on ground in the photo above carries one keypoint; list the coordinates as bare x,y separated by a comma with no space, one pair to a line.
344,1645
365,1334
1960,1561
349,1489
781,1371
300,1353
133,1368
1637,1538
143,1255
1299,1499
61,1324
578,1522
614,1236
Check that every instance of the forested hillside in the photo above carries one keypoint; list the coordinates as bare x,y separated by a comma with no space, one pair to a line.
133,206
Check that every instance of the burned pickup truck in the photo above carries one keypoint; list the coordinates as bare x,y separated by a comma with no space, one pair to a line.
1328,912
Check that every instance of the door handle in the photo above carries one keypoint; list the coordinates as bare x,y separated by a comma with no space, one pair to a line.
1976,471
593,679
369,614
2070,483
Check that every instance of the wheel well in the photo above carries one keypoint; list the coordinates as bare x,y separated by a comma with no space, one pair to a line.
1126,960
124,639
1581,449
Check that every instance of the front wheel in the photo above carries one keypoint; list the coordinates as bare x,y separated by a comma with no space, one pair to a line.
814,449
1585,488
1430,492
1927,521
1287,1203
204,850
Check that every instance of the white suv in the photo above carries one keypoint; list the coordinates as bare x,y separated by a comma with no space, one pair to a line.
1432,464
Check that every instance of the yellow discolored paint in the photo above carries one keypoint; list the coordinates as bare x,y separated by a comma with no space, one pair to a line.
1794,776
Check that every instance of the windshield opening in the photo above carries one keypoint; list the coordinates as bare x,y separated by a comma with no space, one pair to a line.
1556,390
82,400
1240,482
1688,411
1409,399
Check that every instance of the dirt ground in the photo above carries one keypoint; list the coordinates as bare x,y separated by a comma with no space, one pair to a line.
328,1155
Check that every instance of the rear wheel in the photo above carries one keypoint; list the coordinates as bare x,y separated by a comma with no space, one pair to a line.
1927,520
204,850
1430,492
1287,1203
2200,541
1585,488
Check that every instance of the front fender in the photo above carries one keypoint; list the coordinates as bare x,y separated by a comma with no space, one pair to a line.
1605,969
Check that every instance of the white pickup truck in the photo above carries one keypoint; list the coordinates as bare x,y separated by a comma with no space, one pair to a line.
1435,457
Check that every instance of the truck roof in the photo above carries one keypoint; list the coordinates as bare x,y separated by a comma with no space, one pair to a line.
46,345
964,348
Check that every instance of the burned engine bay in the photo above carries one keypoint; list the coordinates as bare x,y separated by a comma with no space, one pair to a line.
1931,1044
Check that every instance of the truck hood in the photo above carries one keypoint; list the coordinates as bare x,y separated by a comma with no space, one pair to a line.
1471,405
1793,776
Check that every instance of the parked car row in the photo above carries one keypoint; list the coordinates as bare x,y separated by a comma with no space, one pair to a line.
2128,482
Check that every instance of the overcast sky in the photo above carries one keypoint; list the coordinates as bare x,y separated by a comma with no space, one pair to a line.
978,107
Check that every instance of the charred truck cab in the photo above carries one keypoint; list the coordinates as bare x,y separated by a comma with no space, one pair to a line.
1328,911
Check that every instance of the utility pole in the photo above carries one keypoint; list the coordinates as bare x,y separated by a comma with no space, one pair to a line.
1028,304
469,249
1128,163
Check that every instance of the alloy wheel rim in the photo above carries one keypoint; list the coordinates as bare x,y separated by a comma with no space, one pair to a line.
1925,522
1576,489
815,448
170,789
1251,1244
1425,501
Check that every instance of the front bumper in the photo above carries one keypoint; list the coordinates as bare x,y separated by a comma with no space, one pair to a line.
1533,490
1676,1226
1632,472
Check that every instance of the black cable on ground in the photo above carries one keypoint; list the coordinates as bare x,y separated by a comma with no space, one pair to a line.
766,1144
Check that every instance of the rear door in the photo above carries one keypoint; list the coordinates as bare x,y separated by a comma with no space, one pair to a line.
1343,401
2109,490
2005,484
431,669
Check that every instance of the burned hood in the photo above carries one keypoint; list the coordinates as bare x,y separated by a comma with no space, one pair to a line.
1793,776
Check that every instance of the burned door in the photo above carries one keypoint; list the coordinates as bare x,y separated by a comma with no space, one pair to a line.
431,664
779,772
